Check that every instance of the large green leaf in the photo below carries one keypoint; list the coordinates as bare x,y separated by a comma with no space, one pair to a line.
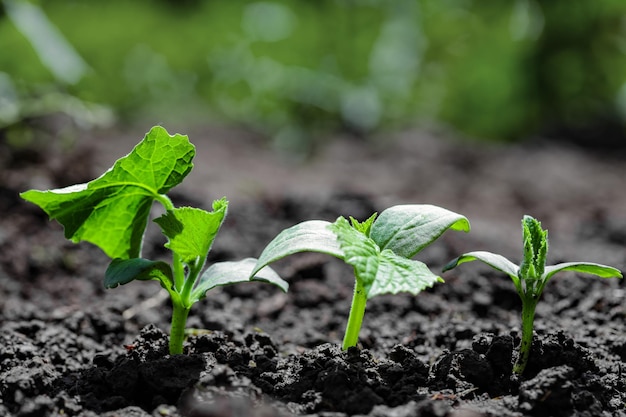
112,210
123,271
191,231
407,229
226,273
308,236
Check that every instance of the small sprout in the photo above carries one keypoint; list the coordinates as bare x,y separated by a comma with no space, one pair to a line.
378,249
531,277
112,212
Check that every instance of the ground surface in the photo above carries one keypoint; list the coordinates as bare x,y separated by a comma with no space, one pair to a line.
68,347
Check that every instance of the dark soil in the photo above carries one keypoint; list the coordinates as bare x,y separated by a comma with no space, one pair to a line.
70,348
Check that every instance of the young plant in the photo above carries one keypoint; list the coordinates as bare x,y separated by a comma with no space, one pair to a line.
378,249
531,277
112,212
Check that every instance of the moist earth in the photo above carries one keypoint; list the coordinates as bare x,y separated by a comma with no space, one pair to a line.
69,347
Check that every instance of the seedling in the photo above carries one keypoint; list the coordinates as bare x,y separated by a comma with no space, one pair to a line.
112,212
379,250
531,277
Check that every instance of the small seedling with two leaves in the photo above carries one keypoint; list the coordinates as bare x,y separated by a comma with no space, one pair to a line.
112,212
379,250
531,277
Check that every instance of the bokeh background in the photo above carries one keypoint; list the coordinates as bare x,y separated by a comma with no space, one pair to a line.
299,71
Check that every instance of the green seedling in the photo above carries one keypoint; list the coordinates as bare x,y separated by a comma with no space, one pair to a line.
378,249
531,277
112,212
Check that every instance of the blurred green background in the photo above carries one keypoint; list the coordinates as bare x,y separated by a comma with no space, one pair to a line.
298,71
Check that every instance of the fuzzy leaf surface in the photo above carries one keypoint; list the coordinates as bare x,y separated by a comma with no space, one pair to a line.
123,271
407,229
535,248
191,231
396,274
226,273
360,252
308,236
380,272
112,210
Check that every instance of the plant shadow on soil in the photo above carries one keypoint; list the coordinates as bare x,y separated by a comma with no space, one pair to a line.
71,348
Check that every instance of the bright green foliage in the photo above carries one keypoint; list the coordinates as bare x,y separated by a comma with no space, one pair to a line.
380,272
363,227
112,212
191,231
531,276
379,250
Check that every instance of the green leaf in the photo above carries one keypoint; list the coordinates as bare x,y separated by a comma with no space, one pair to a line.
398,274
535,248
360,251
123,271
112,211
407,229
602,271
226,273
495,261
309,236
191,231
380,272
363,227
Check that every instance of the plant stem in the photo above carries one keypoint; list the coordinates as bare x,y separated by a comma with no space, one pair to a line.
194,271
177,265
357,310
177,332
529,303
